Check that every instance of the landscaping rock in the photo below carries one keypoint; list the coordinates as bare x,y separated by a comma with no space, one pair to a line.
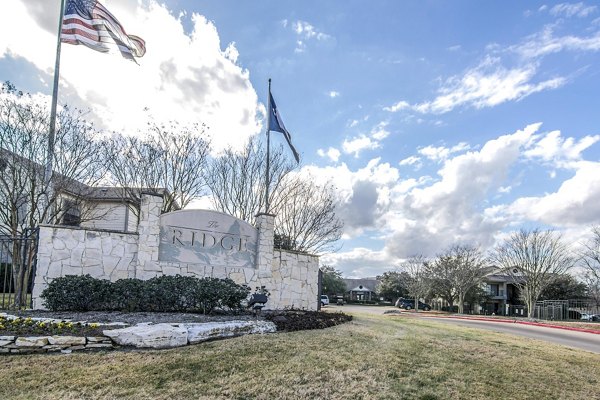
159,336
217,330
32,341
67,340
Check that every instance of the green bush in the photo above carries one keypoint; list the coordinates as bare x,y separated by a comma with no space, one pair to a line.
171,293
77,293
127,295
161,294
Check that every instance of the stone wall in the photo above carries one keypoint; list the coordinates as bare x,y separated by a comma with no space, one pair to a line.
291,278
77,251
48,344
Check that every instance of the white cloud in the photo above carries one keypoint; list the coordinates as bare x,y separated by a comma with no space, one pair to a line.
379,132
358,144
427,214
305,32
332,153
412,160
428,218
574,203
399,106
361,262
487,85
492,83
441,153
363,142
544,43
204,83
333,94
572,10
552,147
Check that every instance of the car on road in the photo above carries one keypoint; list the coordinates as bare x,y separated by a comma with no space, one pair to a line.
409,304
324,300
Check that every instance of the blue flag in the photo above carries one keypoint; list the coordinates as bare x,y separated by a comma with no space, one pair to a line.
276,124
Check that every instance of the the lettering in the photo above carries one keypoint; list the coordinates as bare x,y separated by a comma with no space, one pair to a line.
177,236
206,240
230,245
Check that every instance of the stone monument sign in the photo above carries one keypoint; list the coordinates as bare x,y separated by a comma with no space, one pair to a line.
207,237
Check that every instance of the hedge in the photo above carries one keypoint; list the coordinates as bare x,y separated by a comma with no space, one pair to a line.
161,294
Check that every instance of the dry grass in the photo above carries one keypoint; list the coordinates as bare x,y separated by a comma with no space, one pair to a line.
371,357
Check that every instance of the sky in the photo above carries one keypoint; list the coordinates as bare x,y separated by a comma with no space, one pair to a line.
439,123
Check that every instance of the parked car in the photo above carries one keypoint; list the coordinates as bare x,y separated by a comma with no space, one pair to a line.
409,304
590,317
324,300
586,317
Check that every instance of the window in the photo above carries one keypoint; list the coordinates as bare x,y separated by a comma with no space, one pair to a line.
71,214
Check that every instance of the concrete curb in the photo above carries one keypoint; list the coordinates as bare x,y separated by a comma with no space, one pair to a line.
511,321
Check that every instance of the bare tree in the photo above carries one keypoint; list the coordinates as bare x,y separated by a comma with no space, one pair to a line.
533,259
23,139
418,283
590,259
237,180
169,156
305,215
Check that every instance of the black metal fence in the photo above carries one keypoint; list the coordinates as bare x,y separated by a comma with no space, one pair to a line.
568,310
17,269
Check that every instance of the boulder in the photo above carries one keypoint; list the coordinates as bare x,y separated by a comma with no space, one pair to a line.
202,332
159,336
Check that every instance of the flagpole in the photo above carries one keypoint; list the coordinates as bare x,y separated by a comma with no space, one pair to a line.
269,111
52,130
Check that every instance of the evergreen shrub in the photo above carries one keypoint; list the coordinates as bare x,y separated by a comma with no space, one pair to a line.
160,294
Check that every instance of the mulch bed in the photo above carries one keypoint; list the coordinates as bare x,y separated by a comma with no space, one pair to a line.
288,321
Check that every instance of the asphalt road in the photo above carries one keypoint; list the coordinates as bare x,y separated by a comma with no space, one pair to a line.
579,340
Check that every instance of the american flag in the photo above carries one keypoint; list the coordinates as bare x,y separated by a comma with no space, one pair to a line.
89,23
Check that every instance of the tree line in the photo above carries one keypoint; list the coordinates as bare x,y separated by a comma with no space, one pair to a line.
537,262
170,156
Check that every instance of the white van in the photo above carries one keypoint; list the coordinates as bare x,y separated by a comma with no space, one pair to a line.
324,300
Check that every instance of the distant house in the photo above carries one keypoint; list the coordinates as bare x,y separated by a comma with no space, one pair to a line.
106,207
364,289
502,292
76,204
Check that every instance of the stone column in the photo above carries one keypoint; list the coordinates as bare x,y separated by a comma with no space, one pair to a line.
264,252
149,232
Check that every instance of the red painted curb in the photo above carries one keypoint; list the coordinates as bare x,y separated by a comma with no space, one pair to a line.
511,321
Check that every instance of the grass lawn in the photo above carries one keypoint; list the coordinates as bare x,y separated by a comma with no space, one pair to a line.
372,357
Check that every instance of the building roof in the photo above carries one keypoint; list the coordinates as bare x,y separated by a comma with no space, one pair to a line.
365,284
79,189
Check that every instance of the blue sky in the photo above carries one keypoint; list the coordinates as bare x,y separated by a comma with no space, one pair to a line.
438,122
